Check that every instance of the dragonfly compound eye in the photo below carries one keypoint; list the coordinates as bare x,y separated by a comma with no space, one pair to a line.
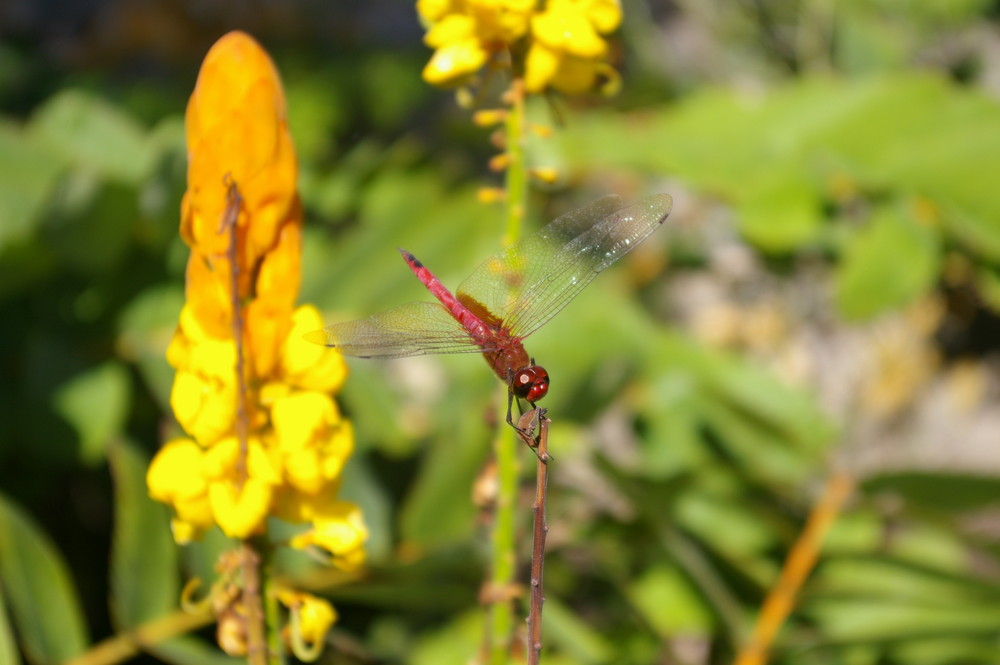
531,383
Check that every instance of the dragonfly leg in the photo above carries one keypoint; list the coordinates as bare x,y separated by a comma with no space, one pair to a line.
527,424
510,403
529,431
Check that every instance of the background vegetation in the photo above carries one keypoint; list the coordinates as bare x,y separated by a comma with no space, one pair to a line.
826,299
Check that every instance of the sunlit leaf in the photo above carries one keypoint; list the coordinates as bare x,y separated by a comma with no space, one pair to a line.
96,403
39,588
28,172
780,212
94,135
146,327
668,603
887,265
8,647
453,643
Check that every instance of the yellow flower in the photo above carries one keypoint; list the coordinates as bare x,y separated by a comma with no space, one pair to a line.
174,478
240,511
268,316
466,33
314,616
563,42
339,529
313,439
203,396
566,26
236,127
453,62
433,10
567,48
268,439
307,365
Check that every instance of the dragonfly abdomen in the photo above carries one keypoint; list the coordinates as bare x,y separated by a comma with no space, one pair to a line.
477,328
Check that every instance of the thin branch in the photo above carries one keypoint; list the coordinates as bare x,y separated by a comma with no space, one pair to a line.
230,217
250,560
540,444
801,559
144,637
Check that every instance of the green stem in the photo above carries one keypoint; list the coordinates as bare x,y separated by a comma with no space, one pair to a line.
504,556
517,170
272,610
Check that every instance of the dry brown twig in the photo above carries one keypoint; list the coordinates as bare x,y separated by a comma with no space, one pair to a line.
531,421
252,594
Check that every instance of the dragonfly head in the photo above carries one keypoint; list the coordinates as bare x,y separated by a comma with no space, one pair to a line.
530,383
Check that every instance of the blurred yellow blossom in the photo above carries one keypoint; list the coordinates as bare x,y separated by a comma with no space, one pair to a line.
567,50
307,365
312,616
339,529
170,480
563,40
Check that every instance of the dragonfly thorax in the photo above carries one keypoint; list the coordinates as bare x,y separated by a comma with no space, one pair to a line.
530,383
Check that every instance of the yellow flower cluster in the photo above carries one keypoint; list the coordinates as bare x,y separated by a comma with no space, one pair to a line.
563,40
242,168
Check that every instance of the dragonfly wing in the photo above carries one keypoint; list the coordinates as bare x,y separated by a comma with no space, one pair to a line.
530,281
414,329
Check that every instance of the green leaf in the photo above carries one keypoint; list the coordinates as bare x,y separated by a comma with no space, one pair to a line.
730,526
89,228
8,646
885,578
781,212
946,650
867,619
438,509
939,490
572,635
40,591
887,265
94,136
144,573
454,643
146,327
28,174
668,602
96,403
759,397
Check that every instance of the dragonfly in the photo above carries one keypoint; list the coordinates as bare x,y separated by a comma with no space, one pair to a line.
509,297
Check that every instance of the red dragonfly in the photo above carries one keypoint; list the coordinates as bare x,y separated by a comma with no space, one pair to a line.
508,297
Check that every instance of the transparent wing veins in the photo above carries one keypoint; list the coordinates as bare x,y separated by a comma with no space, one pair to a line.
413,329
560,260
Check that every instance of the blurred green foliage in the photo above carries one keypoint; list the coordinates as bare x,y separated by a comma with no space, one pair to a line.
852,148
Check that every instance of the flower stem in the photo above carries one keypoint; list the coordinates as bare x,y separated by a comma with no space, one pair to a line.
250,554
272,610
501,618
517,170
504,558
